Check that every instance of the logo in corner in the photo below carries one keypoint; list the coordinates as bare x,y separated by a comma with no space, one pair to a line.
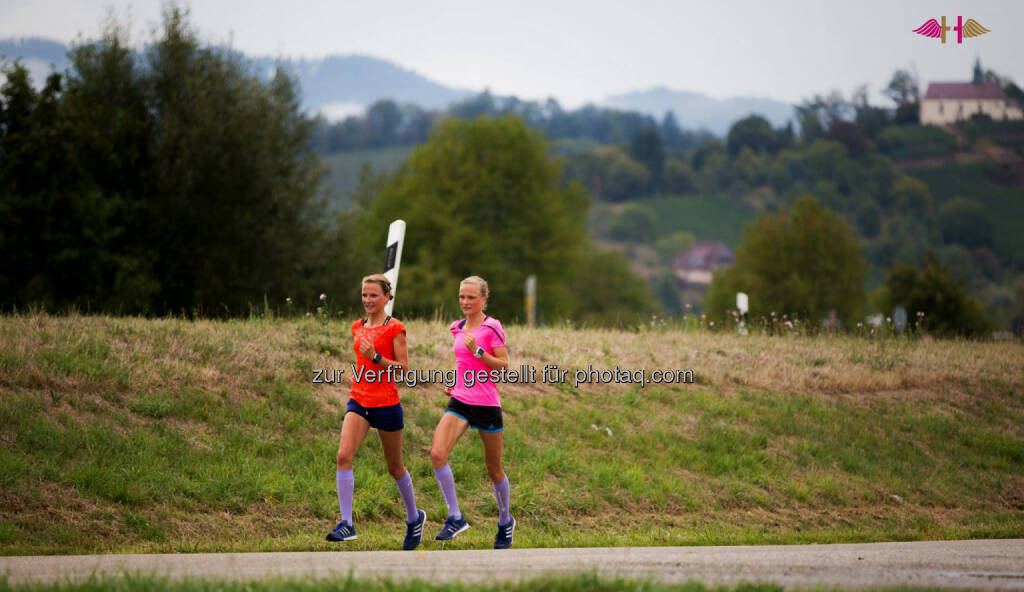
932,28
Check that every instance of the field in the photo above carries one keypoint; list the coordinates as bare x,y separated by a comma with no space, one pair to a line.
707,218
167,435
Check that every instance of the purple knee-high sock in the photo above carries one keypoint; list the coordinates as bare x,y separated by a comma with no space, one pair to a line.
446,481
502,493
346,484
408,498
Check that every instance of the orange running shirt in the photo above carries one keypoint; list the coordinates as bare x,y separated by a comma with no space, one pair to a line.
373,393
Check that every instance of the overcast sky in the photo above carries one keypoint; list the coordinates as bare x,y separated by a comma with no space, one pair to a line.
579,51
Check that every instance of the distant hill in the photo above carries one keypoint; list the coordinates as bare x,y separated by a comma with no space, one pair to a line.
695,110
39,56
337,85
340,85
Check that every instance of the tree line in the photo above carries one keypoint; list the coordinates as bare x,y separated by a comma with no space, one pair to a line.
173,180
179,181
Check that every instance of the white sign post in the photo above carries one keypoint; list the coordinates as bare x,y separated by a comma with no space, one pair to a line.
396,237
742,306
531,301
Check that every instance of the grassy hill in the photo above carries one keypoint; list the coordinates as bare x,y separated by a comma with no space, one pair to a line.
976,181
125,434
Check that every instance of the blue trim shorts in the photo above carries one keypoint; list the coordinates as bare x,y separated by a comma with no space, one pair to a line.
480,417
385,419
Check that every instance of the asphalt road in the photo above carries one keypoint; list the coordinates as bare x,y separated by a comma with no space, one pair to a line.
976,564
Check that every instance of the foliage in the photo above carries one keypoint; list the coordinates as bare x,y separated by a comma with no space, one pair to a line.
671,246
965,222
634,222
934,291
916,141
752,132
486,200
646,148
805,261
175,181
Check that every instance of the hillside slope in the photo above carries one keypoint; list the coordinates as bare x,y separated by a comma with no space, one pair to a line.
123,434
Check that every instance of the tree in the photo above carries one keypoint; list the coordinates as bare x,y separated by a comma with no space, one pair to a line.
679,177
805,261
965,222
753,132
904,91
184,182
645,147
487,200
902,88
949,309
912,197
635,222
382,121
671,246
623,177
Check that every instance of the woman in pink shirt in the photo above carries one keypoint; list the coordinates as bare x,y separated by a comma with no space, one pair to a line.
479,348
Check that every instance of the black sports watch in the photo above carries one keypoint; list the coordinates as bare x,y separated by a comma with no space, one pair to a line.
479,353
377,358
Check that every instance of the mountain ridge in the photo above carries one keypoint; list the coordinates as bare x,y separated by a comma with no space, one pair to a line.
340,85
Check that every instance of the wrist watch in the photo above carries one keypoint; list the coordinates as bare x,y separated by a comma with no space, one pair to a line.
479,353
377,358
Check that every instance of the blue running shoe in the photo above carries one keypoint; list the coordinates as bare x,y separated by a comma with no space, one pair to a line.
503,540
342,532
451,528
414,532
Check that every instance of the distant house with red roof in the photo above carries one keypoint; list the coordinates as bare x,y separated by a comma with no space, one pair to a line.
949,102
695,265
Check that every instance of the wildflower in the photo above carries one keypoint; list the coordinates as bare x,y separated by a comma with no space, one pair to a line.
789,324
711,324
888,319
323,297
773,313
860,324
703,316
288,300
687,305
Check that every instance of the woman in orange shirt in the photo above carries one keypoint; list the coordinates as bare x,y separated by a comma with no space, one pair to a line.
379,342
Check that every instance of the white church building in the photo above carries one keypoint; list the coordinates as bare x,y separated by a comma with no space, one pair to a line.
949,102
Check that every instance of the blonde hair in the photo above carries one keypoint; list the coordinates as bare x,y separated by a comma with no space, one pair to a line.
477,281
379,279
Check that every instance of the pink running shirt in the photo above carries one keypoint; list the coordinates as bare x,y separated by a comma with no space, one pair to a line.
488,335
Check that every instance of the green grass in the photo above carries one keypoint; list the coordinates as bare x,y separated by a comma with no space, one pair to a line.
707,218
345,167
584,582
173,436
547,584
974,181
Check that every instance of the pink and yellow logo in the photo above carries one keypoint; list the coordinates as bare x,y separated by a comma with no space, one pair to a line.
932,28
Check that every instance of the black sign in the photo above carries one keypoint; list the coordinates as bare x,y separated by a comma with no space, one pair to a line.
389,262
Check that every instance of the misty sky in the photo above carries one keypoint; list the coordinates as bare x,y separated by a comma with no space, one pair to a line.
579,51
